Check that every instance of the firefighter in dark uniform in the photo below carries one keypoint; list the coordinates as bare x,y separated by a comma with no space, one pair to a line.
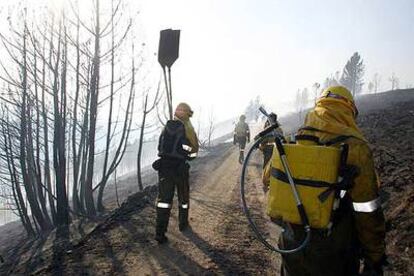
267,145
241,136
178,143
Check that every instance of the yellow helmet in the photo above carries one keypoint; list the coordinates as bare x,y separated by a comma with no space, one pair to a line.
183,111
338,91
341,93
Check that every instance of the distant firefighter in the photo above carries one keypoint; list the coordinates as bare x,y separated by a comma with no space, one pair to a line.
241,136
267,146
178,144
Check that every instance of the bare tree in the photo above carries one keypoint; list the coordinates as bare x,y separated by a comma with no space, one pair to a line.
394,81
377,82
145,112
8,159
301,101
370,87
59,127
316,86
57,85
198,132
211,126
122,144
331,81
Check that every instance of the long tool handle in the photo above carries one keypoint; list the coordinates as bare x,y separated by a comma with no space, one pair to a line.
265,132
264,112
246,210
295,192
168,92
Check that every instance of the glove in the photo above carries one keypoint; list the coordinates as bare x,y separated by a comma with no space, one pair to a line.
156,165
374,269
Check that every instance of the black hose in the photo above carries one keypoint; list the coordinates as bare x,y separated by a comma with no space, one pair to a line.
246,210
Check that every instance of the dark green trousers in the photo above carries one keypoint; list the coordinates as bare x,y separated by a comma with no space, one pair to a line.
267,154
172,176
336,254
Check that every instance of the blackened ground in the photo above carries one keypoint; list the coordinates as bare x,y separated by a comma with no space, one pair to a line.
391,133
219,241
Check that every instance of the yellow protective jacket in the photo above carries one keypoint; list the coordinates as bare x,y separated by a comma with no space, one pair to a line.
333,118
268,141
242,130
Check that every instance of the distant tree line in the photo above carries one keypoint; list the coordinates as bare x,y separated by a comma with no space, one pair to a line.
252,110
351,76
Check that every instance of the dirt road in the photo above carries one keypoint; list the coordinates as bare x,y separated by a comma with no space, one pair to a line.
219,241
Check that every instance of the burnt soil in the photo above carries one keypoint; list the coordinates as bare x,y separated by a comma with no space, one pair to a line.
391,133
220,241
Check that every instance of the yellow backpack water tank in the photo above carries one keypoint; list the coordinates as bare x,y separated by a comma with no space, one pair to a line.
315,168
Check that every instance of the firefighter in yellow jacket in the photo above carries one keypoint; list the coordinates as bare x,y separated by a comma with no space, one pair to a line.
241,136
178,143
267,145
358,230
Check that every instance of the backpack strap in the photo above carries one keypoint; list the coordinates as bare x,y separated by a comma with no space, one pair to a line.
310,128
281,175
308,138
336,140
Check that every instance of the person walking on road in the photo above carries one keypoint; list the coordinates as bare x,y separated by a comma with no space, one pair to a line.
267,145
241,136
178,143
358,227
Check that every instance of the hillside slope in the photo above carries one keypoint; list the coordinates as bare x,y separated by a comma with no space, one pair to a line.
391,133
220,241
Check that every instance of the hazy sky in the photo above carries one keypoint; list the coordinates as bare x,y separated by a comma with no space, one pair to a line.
233,50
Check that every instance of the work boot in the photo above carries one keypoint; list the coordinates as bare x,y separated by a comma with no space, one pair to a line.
241,158
163,217
183,226
183,219
161,238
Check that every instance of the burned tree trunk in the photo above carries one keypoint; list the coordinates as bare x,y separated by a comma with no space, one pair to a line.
46,168
145,113
122,145
109,124
59,162
28,182
75,155
94,91
17,193
141,142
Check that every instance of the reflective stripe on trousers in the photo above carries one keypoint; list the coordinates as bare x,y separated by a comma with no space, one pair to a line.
368,206
184,206
163,205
